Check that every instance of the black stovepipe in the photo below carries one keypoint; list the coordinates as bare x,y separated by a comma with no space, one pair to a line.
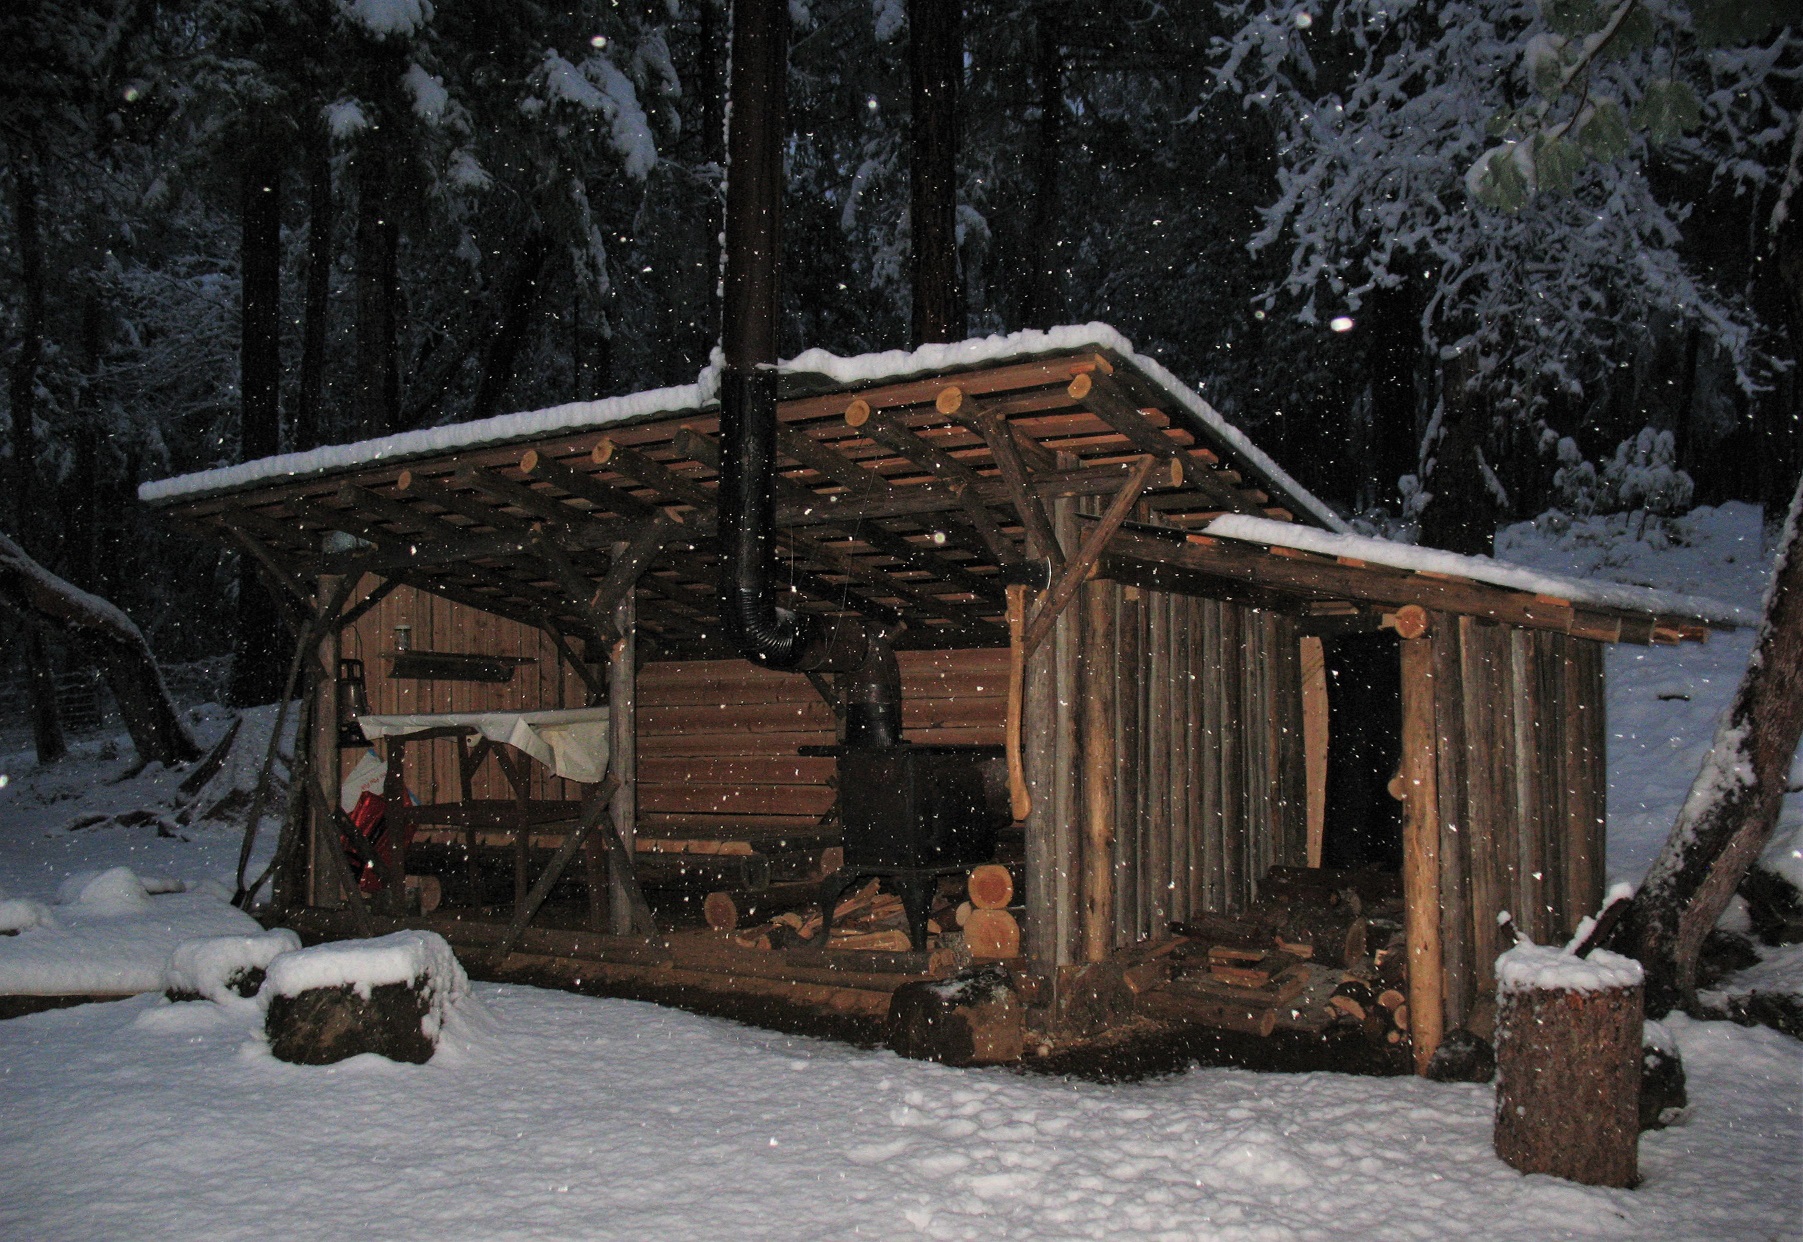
861,655
858,653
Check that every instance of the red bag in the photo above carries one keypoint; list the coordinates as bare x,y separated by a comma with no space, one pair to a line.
370,819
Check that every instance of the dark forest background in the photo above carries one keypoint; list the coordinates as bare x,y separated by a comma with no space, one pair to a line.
231,229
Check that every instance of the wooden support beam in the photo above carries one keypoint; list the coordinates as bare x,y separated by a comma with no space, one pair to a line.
1096,743
653,474
1104,397
536,465
1005,450
368,603
630,561
1419,786
594,815
626,905
540,504
597,690
295,601
884,428
469,506
1077,570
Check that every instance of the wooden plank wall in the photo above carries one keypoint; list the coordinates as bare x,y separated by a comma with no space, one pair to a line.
440,624
1211,788
718,738
1520,734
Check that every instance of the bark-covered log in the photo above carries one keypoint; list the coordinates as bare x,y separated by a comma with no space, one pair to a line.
1568,1063
970,1019
113,641
1733,804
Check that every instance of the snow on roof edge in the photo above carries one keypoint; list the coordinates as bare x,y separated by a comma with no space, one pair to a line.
1244,528
857,369
895,363
574,416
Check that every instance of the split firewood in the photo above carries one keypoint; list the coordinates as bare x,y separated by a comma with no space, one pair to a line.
885,940
1253,974
1333,936
1230,955
1354,1001
1144,976
963,913
1392,999
1279,991
991,887
1254,930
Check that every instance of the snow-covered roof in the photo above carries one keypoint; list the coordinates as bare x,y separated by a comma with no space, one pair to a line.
850,372
1247,529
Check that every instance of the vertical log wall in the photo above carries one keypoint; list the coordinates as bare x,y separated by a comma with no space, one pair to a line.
1209,790
1519,731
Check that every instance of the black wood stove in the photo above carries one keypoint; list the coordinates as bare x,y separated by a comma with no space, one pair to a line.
911,814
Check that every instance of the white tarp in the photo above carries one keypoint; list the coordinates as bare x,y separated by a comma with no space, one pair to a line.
572,742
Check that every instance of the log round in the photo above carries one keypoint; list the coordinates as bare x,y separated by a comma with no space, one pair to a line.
1568,1053
991,887
992,935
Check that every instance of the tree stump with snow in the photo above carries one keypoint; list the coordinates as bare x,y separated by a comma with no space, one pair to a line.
224,968
970,1019
389,996
1568,1064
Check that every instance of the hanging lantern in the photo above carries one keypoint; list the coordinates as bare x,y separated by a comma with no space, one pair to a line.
353,701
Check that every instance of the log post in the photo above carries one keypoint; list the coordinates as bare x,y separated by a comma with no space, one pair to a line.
1419,790
1097,746
1314,743
323,758
1568,1064
622,697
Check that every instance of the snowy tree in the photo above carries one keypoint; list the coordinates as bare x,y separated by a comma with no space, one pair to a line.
1384,109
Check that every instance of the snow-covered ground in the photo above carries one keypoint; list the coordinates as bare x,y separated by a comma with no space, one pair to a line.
548,1115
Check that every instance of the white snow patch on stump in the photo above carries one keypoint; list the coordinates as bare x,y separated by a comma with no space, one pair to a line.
225,969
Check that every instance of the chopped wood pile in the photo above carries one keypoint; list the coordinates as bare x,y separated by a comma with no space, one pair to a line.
868,919
982,925
1319,949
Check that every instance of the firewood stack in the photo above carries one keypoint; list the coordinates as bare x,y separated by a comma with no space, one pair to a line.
1302,958
868,919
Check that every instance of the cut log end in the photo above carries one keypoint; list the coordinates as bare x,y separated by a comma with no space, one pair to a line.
857,413
603,453
529,461
721,911
950,400
991,887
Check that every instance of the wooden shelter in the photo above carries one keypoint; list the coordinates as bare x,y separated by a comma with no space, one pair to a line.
1160,689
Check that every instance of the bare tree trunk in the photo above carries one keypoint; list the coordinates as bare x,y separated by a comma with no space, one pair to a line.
378,252
256,663
22,394
309,429
115,643
1043,303
1733,804
1461,515
936,73
509,331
